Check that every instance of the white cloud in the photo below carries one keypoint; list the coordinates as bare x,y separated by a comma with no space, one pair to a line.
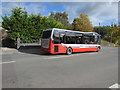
97,11
119,13
7,7
33,7
60,0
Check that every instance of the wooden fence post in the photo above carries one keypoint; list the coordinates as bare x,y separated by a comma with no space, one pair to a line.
39,42
18,43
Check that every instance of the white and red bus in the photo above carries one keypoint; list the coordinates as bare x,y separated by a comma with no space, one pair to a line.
56,41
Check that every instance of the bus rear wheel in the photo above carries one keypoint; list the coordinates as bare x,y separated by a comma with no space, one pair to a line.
69,51
98,49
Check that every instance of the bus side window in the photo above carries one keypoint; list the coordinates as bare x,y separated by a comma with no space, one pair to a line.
86,39
78,38
70,38
97,39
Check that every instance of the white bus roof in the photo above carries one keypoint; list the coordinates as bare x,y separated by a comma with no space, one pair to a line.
72,31
67,30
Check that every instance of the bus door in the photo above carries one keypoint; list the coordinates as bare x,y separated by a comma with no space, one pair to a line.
59,38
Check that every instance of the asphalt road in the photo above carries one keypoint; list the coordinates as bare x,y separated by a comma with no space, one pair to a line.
32,68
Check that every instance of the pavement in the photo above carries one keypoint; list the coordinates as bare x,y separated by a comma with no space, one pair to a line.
31,68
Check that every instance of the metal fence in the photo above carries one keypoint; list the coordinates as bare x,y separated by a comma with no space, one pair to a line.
19,44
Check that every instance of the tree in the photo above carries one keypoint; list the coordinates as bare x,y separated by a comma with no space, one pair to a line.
54,24
109,33
102,30
16,23
61,17
82,23
27,27
113,34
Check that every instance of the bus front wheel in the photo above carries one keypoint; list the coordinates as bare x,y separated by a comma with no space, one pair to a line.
69,51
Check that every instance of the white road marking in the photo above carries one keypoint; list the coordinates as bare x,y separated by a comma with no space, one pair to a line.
116,85
7,62
92,53
5,49
54,57
6,53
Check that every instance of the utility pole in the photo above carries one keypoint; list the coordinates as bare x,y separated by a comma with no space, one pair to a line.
111,37
99,27
111,32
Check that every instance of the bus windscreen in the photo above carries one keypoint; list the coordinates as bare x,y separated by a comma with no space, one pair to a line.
46,34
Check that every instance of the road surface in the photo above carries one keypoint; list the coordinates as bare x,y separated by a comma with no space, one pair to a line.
32,68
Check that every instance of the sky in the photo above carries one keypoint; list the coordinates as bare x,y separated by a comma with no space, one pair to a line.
104,13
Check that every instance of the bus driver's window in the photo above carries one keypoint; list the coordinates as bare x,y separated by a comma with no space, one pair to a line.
56,38
62,37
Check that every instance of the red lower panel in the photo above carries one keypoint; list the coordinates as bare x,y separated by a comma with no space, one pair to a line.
84,49
62,49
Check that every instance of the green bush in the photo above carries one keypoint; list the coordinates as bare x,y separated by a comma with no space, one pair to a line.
27,27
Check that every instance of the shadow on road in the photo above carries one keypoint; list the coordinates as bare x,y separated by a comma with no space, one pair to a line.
36,50
32,50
